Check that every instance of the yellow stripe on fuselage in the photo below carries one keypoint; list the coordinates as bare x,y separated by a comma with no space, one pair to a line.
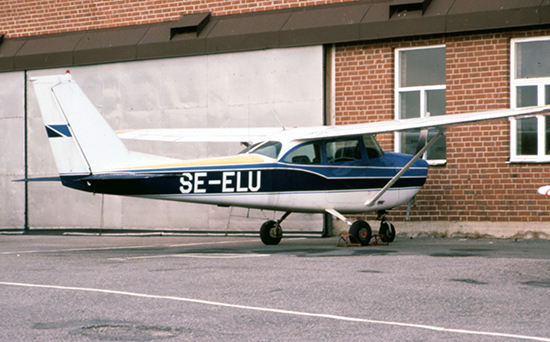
245,159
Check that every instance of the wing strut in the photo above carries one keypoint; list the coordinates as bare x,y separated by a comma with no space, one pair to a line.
395,178
338,215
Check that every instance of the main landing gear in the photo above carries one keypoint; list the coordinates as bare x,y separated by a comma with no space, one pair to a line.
271,232
361,232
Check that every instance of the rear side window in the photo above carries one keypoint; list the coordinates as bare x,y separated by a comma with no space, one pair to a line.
305,154
269,149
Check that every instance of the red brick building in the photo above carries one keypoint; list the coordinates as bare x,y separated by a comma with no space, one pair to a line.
384,60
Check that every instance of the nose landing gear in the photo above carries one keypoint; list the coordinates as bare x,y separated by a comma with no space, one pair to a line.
387,230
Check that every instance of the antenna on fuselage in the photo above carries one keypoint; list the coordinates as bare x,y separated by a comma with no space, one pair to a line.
279,120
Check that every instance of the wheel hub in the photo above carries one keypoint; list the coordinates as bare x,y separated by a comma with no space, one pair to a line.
275,232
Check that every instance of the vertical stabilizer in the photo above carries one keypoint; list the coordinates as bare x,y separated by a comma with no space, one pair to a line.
81,140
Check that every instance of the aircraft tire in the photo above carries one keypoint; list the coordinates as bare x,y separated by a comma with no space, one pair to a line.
271,233
387,230
361,232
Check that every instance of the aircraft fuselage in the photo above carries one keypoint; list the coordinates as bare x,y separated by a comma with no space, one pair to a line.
268,184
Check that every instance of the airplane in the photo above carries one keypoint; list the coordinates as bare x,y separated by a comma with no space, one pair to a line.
328,169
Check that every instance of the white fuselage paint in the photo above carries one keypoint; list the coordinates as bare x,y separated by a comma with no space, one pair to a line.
350,201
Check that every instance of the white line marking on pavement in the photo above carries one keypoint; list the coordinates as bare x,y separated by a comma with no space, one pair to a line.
280,311
195,255
123,247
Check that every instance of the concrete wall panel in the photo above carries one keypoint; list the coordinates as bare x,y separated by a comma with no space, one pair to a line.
12,150
247,89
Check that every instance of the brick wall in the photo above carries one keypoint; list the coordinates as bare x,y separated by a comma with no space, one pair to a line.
477,183
364,85
34,17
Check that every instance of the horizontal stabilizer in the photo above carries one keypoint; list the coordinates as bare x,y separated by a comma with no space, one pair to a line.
39,179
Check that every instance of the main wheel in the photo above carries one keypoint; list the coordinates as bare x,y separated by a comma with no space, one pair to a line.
387,230
361,232
271,233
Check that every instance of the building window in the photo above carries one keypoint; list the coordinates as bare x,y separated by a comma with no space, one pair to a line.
420,92
530,86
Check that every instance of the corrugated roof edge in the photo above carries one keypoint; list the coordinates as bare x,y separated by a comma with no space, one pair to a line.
326,24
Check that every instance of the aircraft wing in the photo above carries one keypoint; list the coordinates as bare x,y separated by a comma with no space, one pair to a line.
260,133
201,134
439,121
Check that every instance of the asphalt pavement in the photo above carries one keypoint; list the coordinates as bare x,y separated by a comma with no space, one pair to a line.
212,288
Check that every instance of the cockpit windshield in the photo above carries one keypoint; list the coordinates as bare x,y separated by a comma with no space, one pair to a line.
269,149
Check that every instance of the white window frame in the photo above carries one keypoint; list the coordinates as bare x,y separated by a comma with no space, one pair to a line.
423,104
540,83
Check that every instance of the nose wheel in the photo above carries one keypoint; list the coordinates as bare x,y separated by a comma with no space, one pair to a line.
387,231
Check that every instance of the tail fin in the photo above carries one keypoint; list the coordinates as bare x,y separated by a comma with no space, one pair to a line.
81,140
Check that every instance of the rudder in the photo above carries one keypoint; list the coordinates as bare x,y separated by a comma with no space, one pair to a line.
82,141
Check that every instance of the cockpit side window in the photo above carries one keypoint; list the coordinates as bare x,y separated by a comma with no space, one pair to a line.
343,151
373,148
305,154
269,149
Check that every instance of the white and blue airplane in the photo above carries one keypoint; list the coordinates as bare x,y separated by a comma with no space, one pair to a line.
327,169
